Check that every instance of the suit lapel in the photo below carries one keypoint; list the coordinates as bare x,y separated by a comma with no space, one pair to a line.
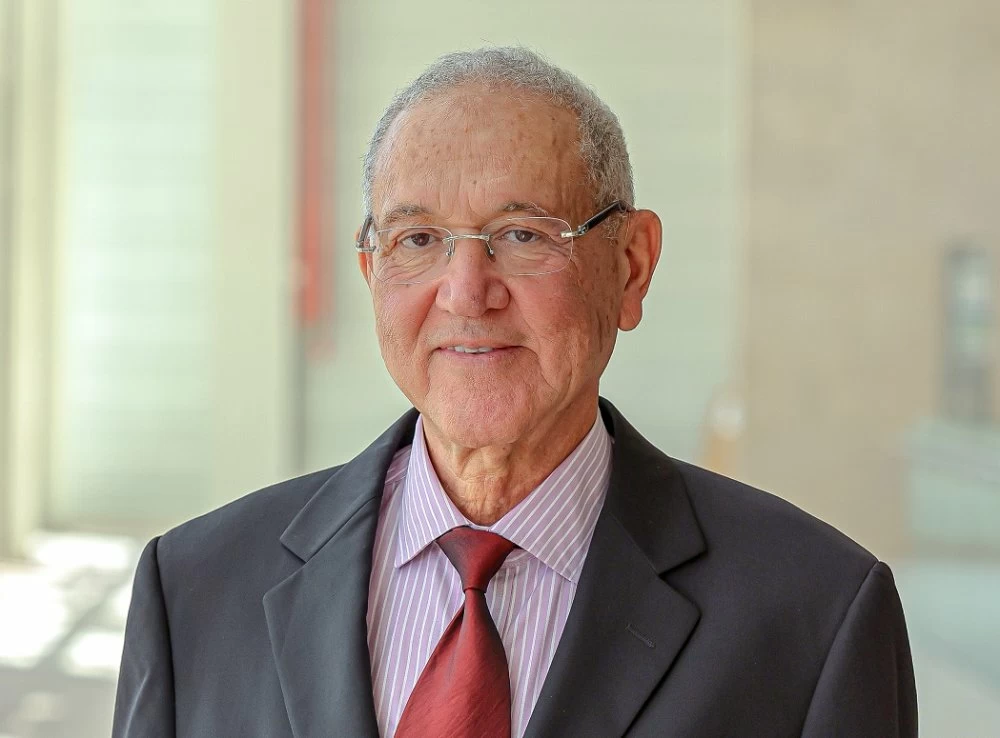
316,618
627,625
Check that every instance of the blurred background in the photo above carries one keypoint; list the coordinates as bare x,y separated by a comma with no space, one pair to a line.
181,319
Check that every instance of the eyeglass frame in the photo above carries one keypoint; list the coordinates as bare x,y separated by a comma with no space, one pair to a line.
618,206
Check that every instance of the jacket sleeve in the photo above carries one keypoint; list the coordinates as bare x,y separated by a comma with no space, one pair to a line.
866,686
144,707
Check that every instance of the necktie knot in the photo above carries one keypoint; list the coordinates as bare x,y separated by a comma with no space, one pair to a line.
476,554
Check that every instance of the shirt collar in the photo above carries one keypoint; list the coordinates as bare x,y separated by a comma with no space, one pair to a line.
554,523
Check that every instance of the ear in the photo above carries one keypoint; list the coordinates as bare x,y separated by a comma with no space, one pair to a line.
641,251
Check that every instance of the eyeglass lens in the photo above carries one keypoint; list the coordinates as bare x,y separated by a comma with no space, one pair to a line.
519,246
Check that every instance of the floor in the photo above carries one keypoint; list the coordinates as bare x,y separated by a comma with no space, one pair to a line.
63,614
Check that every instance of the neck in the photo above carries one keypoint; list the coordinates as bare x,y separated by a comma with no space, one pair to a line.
487,482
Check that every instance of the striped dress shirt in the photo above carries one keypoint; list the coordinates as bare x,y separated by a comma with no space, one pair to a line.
415,591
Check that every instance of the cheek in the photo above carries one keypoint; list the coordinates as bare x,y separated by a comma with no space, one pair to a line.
399,315
579,321
562,321
601,286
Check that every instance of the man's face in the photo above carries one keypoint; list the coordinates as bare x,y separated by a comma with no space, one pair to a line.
464,157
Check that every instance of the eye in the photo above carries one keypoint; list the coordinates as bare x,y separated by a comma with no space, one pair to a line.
521,235
417,239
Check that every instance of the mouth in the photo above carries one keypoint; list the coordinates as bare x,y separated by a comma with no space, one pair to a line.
476,350
472,349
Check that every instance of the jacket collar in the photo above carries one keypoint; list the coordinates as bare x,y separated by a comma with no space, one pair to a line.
648,497
347,490
646,492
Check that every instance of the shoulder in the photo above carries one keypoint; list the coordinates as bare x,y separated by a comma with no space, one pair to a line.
755,517
740,525
763,543
249,526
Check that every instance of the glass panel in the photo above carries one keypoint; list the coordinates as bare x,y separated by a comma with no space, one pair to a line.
133,369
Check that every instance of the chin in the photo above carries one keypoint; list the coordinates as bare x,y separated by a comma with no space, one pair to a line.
477,418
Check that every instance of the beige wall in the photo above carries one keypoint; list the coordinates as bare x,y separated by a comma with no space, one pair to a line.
873,147
28,284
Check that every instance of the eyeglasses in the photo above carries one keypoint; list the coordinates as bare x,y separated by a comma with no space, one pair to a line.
521,246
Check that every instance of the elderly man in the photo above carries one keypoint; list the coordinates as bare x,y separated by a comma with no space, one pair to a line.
511,557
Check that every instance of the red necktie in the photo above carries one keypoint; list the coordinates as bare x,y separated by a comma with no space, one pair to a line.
464,691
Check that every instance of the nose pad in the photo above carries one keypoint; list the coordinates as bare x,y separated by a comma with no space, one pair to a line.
470,285
452,240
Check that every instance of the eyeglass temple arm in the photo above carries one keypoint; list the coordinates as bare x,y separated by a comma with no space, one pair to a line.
616,207
363,236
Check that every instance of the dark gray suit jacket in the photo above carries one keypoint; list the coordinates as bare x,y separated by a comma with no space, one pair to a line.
705,608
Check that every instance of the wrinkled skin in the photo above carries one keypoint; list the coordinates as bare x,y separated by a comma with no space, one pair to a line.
497,424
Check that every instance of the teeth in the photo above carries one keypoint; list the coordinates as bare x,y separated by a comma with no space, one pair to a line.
469,350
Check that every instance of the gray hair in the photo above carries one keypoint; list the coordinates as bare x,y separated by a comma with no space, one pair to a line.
602,143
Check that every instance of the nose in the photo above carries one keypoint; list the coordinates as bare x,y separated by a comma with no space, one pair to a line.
471,285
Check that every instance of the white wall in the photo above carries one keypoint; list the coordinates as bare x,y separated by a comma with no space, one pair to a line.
174,344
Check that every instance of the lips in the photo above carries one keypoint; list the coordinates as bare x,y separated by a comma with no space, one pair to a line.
471,349
477,349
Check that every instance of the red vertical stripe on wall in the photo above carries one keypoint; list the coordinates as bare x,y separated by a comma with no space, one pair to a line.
310,212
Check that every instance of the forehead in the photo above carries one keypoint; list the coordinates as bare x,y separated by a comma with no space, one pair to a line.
472,148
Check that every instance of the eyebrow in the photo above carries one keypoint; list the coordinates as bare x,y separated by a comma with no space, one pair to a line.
524,207
405,211
402,212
